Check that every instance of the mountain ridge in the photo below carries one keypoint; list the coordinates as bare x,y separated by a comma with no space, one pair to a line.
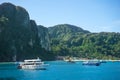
22,37
67,42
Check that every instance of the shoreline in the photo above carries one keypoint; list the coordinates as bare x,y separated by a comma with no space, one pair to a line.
108,60
95,60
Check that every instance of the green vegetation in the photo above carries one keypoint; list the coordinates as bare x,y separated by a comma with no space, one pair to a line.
68,40
22,38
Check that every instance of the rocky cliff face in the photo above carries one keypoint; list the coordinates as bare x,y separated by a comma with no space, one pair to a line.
19,36
44,36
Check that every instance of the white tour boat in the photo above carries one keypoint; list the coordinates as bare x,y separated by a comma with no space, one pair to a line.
34,64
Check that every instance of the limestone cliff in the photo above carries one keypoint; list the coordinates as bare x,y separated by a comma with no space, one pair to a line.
20,37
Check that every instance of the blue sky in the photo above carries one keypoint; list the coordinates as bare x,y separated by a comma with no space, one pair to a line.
92,15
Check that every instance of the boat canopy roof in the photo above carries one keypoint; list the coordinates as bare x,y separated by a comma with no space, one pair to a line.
33,60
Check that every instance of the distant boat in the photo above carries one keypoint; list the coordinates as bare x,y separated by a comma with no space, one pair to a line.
34,64
91,62
103,61
69,60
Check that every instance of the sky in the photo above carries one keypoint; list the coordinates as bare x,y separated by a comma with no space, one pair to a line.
91,15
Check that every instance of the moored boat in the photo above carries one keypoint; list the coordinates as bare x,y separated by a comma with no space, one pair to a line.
103,61
91,62
70,61
34,64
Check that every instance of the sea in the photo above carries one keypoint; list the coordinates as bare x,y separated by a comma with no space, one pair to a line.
61,70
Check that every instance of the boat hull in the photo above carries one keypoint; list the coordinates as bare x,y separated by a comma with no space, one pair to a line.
32,64
94,63
32,67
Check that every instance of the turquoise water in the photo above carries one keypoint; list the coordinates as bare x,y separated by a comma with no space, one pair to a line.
60,70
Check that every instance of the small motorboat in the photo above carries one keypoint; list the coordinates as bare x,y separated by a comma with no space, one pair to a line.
71,61
103,61
91,62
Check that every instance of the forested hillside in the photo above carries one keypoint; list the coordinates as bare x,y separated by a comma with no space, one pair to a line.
21,38
69,40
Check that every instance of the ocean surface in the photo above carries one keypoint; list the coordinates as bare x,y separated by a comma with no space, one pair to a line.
60,70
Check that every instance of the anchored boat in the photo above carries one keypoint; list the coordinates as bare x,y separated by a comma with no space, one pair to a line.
34,64
92,62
